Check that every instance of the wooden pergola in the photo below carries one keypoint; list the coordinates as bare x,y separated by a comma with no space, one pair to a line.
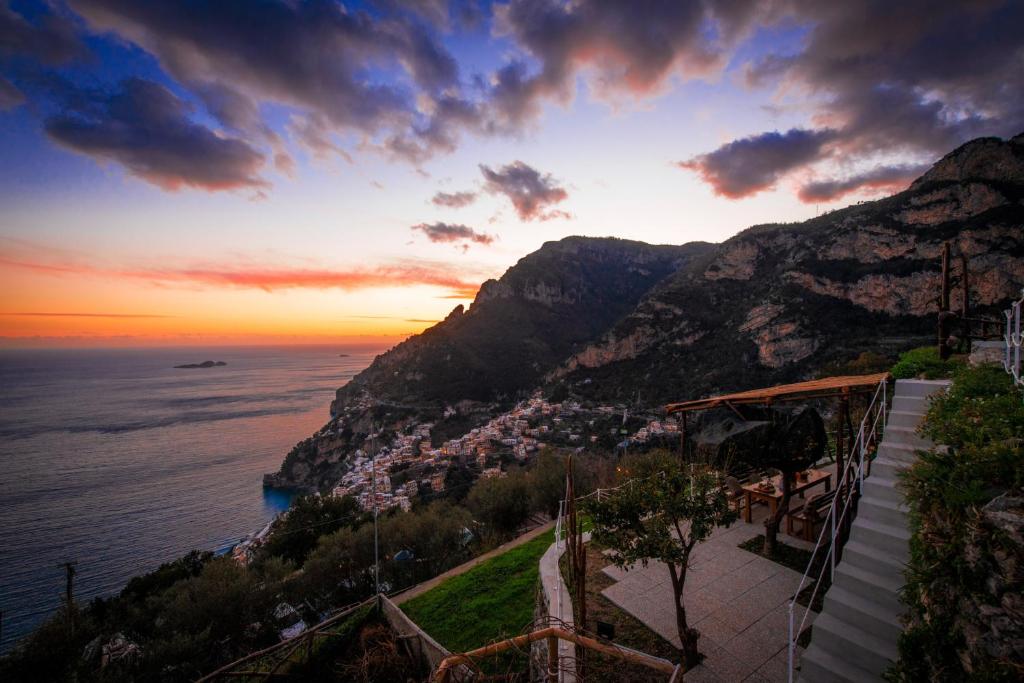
841,387
826,387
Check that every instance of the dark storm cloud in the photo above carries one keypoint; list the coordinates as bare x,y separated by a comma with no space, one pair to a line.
452,233
49,39
911,78
626,49
915,77
10,96
315,56
145,128
530,192
453,200
749,165
887,178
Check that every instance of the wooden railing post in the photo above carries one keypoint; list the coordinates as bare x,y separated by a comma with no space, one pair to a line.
552,659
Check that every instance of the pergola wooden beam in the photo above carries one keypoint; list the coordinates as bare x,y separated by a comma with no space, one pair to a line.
826,387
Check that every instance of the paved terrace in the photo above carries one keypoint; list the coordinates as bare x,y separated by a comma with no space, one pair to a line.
736,599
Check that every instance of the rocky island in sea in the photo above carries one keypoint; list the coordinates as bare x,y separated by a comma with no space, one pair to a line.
204,364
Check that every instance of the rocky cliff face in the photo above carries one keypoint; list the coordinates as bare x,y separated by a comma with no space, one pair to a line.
520,327
777,302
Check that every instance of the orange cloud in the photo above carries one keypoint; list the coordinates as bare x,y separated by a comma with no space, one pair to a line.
461,284
42,314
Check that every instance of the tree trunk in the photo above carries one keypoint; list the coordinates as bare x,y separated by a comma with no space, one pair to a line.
687,636
771,523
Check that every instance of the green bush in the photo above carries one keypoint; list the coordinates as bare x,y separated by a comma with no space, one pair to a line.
961,570
924,362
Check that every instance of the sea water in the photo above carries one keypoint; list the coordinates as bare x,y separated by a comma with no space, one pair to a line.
118,461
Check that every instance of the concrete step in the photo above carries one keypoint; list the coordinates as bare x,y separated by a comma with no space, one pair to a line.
848,642
875,585
882,487
866,557
892,538
819,666
897,451
916,405
904,418
920,387
883,621
906,436
887,467
884,511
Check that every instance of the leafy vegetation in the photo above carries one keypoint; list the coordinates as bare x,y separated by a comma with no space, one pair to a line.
502,504
491,601
964,570
924,363
295,535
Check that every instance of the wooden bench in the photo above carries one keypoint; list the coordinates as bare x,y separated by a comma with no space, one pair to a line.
813,511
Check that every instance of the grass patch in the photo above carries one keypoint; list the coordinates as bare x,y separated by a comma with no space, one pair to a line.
491,601
797,560
924,362
629,630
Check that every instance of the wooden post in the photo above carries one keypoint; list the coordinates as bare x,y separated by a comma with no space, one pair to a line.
944,305
682,437
965,304
552,659
840,446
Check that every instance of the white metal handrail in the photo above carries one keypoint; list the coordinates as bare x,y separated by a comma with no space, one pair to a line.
1012,337
855,465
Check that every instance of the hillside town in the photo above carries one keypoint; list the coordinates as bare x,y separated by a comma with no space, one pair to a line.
410,466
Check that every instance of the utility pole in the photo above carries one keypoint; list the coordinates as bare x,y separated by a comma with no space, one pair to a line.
373,467
69,570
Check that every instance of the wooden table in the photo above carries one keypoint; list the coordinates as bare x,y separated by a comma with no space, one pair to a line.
752,493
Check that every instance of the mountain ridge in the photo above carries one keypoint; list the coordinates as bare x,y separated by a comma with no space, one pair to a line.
606,319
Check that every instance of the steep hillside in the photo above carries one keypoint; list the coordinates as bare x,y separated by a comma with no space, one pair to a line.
520,327
777,302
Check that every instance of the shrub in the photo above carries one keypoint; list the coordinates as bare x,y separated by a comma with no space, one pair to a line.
964,569
924,362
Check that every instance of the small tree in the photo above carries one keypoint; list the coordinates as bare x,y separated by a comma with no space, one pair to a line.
663,517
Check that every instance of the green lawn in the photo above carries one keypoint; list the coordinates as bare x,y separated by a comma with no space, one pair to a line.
489,602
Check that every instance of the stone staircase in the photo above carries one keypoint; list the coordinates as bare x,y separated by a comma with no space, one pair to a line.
854,637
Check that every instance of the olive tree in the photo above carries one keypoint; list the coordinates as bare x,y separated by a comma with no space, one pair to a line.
662,517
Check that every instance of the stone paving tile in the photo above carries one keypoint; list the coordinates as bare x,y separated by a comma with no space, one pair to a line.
701,674
770,631
614,573
766,595
715,630
776,668
734,584
729,665
763,568
752,653
745,610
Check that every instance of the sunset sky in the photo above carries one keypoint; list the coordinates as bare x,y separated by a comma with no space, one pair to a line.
267,171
